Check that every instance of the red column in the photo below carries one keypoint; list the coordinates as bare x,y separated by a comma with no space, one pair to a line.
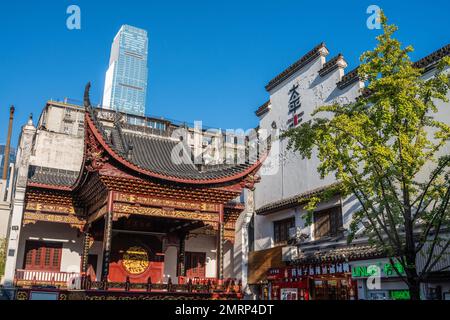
107,236
220,240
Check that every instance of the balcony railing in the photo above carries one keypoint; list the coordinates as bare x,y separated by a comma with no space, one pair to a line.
45,278
186,285
32,278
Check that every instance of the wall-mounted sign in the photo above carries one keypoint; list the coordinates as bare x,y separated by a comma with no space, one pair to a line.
308,270
382,269
135,260
294,104
294,99
400,295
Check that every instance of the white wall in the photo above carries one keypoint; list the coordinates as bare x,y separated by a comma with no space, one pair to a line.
289,175
170,264
295,175
57,150
5,212
285,174
203,243
54,232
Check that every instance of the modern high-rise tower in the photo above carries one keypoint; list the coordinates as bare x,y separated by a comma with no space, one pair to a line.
126,79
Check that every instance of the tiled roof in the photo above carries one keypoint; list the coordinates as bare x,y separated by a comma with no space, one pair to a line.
330,65
263,109
339,254
426,63
292,201
429,61
154,154
303,61
348,79
51,176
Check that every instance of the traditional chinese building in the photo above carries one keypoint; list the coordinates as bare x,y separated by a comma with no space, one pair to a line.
138,211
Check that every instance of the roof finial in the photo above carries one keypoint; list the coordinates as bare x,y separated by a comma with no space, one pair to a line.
87,100
30,119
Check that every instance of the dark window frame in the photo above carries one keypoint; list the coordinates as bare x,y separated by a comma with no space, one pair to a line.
331,216
281,230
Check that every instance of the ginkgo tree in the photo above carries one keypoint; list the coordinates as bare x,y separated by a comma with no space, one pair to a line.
387,149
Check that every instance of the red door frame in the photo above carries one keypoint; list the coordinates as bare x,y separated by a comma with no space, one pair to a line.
199,260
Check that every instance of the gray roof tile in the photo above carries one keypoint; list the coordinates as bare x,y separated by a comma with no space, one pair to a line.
51,176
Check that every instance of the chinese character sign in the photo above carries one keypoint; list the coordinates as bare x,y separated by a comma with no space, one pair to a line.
294,100
294,104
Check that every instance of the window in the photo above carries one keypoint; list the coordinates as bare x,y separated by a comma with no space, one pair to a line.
327,223
281,230
42,256
195,264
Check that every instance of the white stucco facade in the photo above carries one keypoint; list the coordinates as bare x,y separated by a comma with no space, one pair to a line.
285,174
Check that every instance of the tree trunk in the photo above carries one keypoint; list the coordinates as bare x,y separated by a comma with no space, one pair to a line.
414,289
412,277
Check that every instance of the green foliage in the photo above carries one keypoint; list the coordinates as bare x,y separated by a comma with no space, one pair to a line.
2,256
379,147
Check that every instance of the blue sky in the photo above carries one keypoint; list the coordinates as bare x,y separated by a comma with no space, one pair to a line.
208,60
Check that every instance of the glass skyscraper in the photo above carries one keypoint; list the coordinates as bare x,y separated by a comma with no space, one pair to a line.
126,79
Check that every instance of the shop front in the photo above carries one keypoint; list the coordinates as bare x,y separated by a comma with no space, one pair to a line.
327,281
378,279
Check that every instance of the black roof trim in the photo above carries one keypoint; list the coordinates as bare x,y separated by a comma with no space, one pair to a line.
349,79
430,60
330,65
303,61
293,201
263,109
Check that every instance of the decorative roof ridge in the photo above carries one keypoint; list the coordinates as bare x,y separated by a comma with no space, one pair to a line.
263,108
349,78
299,64
429,61
341,253
331,65
294,200
149,136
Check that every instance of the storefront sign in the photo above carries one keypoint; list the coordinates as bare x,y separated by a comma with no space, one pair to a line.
308,270
400,295
382,269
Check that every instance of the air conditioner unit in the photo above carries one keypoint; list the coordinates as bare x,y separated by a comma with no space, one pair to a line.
289,253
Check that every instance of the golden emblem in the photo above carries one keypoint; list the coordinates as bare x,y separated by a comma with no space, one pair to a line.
135,260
